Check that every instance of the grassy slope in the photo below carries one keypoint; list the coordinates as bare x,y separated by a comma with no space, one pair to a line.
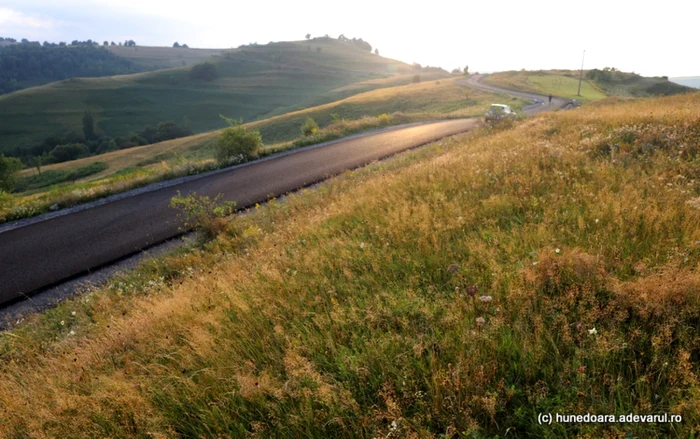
564,83
339,313
558,83
254,83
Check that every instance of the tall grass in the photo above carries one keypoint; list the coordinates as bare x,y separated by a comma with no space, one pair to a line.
454,291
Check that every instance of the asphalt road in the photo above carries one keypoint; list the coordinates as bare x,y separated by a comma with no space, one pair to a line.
475,81
45,252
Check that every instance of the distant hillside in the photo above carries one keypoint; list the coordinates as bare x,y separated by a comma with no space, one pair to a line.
617,83
24,65
596,83
688,81
252,83
152,58
563,83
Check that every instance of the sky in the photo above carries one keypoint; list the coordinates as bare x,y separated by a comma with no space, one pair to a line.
486,35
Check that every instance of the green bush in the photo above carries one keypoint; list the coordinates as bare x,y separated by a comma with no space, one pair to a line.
205,71
309,128
204,214
64,153
8,168
236,144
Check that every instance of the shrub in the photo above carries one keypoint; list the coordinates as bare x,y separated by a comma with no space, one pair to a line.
236,144
384,119
309,128
204,214
416,79
205,71
72,151
8,168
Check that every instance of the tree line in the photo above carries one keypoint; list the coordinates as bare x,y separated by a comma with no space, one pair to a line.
74,145
30,64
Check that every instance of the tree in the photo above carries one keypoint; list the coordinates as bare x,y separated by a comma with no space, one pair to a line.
72,151
8,168
309,128
416,79
376,51
170,130
176,44
466,70
88,125
106,43
236,144
205,71
185,46
112,44
308,36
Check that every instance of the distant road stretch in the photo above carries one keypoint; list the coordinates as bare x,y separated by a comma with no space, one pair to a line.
43,253
475,81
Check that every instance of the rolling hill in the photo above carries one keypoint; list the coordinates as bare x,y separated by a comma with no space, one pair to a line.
253,82
596,83
151,58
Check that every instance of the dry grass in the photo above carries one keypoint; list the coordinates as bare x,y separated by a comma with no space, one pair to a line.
361,309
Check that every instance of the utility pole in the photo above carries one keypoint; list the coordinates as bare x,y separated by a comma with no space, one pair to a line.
580,75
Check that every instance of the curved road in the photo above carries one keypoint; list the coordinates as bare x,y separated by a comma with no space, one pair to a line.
47,250
541,101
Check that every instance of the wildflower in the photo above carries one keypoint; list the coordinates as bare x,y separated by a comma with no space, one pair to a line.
73,313
71,332
596,220
578,325
459,219
486,298
394,425
471,290
63,322
480,321
592,331
453,268
557,251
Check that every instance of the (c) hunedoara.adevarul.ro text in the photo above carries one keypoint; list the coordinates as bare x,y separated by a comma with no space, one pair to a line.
549,418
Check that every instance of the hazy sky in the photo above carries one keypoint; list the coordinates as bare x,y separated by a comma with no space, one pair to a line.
488,35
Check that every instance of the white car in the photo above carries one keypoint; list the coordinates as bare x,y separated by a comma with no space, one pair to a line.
499,112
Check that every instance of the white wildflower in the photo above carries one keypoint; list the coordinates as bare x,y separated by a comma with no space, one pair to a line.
593,331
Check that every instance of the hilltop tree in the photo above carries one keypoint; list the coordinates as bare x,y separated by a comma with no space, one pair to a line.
466,70
176,44
376,51
88,125
106,43
308,36
185,46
